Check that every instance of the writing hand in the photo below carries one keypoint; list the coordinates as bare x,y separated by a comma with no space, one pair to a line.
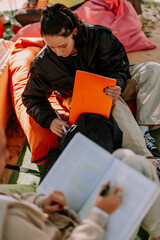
54,202
113,92
111,201
56,126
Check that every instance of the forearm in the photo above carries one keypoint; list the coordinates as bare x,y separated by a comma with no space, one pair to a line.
118,69
43,114
40,111
38,106
91,228
34,198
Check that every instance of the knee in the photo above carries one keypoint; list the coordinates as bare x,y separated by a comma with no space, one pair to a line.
138,162
122,153
152,66
142,165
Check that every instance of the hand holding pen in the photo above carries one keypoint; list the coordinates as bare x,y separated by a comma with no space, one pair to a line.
63,127
109,198
59,126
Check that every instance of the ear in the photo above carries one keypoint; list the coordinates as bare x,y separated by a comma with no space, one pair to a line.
75,31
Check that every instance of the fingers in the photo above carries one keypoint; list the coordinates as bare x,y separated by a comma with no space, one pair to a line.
113,92
115,190
58,197
116,194
104,189
54,208
54,202
112,188
64,123
56,126
59,131
108,188
109,198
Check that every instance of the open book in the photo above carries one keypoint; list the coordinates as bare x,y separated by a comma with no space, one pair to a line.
79,172
88,95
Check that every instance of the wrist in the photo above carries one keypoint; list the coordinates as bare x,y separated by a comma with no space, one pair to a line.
98,217
102,212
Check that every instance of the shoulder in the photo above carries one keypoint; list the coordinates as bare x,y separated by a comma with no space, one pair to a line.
44,59
97,32
41,56
99,36
100,28
97,29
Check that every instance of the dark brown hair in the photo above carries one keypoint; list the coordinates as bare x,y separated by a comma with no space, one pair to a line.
59,20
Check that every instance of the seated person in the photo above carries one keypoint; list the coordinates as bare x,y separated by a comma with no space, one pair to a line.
25,217
71,45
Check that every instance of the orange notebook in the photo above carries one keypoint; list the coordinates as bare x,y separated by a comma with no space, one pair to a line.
88,95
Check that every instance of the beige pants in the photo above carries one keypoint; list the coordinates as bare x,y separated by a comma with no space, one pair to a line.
144,85
151,222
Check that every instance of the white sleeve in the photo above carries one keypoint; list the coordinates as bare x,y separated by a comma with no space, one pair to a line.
91,228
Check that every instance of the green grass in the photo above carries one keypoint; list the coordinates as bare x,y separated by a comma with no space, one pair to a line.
25,161
8,34
151,4
148,25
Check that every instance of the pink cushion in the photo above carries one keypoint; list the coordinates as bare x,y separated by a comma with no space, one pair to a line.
121,17
39,139
30,30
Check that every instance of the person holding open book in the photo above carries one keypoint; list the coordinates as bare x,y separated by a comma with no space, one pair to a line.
72,44
21,218
35,216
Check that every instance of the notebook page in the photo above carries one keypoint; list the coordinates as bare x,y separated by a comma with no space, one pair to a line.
139,195
77,171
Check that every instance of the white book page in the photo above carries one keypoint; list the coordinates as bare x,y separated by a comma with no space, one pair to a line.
139,195
77,171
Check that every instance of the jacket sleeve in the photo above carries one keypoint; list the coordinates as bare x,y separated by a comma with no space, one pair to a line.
34,99
34,198
91,228
113,60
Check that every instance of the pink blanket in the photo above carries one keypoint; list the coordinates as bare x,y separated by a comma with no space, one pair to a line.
121,17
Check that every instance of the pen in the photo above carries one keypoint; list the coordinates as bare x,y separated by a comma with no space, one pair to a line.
64,128
105,190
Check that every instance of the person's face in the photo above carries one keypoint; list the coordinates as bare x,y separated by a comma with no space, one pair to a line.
4,154
62,46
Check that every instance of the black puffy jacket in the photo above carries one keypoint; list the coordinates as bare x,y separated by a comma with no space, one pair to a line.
101,53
